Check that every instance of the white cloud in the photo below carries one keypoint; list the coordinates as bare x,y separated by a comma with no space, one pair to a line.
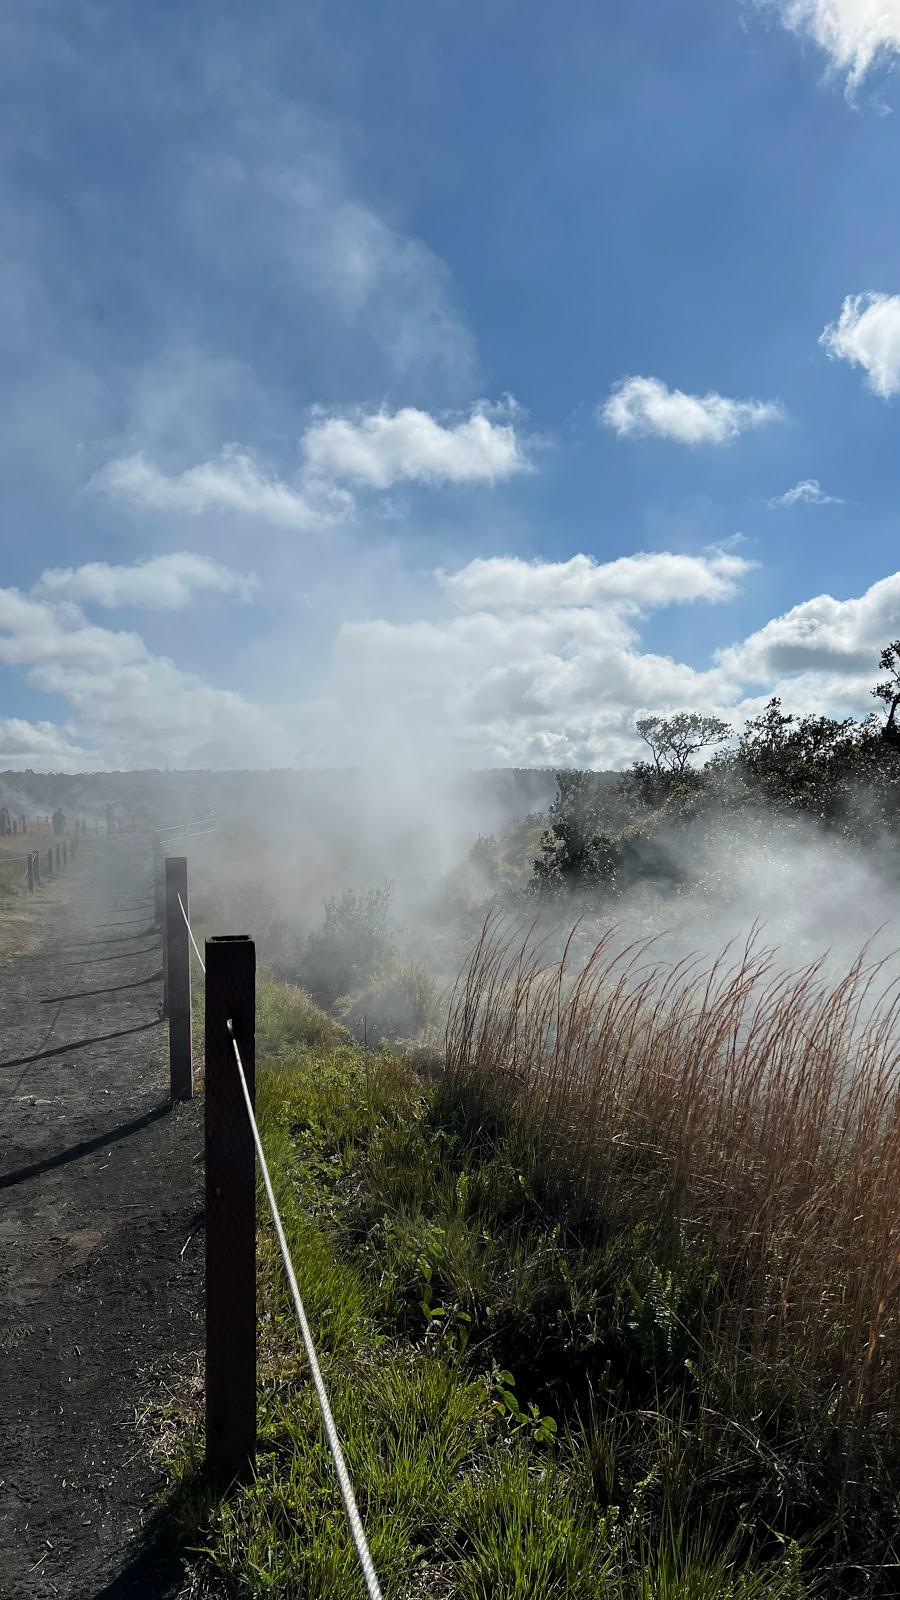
384,448
642,580
233,482
161,583
542,662
855,34
867,334
838,638
640,407
809,492
542,666
134,708
41,745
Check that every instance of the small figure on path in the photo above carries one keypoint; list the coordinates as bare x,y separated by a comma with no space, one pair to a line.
5,824
59,821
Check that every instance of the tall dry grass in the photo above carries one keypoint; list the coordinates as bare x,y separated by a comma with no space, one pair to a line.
745,1113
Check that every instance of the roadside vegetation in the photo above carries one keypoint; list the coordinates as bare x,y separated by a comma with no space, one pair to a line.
609,1308
601,1251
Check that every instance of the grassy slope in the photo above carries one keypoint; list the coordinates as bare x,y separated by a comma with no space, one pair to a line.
505,1390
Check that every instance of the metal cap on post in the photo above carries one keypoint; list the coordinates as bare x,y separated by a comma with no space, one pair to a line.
178,979
230,1213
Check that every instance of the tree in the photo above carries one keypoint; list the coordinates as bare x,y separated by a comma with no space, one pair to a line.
673,740
574,849
888,691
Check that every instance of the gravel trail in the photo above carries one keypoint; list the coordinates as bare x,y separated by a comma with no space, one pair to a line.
101,1240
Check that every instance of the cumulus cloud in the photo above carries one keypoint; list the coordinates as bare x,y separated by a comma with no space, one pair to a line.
643,407
161,583
539,665
808,492
41,745
642,580
232,482
867,334
383,448
133,707
855,34
839,638
540,662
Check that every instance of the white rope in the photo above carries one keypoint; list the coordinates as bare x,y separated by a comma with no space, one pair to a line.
350,1506
195,822
191,935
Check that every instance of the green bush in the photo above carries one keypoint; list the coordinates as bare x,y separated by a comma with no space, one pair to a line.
400,1007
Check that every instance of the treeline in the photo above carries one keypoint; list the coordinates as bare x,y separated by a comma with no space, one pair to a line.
157,797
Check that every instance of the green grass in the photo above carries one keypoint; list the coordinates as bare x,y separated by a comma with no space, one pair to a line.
516,1401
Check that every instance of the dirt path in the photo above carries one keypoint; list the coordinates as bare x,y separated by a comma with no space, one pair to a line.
100,1190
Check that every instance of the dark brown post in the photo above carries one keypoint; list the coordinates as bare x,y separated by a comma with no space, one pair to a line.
230,1213
50,862
30,870
178,978
36,858
158,881
57,858
15,826
159,913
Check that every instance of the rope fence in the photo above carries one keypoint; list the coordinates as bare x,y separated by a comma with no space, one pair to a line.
334,1443
231,1411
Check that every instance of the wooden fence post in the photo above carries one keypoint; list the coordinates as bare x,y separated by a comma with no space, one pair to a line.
65,854
158,880
57,858
30,870
50,862
36,858
159,913
178,978
230,1213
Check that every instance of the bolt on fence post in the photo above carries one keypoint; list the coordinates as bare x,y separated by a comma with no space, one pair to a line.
178,978
230,1213
30,871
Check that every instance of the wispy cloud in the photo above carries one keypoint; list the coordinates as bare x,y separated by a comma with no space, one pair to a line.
867,334
855,34
644,407
382,448
232,482
808,492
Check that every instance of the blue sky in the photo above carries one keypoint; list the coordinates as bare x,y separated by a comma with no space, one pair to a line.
425,379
